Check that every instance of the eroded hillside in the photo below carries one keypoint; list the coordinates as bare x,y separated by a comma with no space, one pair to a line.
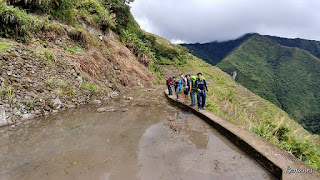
61,66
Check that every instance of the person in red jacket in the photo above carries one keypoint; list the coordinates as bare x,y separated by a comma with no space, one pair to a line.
168,83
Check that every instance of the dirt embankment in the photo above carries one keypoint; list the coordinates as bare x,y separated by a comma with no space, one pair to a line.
55,72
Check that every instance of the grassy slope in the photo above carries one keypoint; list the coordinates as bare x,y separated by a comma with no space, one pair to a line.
286,76
239,105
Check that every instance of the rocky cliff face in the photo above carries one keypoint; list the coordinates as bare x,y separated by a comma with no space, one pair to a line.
55,73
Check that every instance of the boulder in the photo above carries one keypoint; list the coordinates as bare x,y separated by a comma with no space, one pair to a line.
56,103
96,101
107,109
3,120
70,106
124,109
27,116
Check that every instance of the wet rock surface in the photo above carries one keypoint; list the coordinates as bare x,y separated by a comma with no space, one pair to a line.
107,109
138,143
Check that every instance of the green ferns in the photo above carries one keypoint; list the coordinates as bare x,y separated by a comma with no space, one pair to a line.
13,22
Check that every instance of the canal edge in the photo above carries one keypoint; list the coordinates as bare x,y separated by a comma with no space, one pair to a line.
270,156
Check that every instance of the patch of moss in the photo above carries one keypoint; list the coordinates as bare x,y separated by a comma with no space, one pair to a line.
4,46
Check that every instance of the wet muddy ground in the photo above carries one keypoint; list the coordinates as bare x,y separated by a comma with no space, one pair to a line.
138,140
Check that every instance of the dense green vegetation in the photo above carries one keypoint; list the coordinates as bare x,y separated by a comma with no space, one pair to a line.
283,71
312,123
309,45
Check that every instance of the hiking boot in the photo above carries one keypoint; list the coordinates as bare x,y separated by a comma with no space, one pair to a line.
204,108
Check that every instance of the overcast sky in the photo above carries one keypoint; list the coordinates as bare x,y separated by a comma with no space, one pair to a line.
211,20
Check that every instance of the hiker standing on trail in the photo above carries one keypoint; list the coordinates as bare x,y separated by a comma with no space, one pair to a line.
177,86
183,80
188,85
193,92
201,86
168,83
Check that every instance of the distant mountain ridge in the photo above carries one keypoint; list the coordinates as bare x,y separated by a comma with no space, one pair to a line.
283,71
214,52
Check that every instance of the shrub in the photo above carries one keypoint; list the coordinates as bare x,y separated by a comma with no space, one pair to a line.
78,35
88,86
97,12
14,22
283,136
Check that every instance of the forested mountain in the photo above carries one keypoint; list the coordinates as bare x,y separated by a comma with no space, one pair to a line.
214,52
283,71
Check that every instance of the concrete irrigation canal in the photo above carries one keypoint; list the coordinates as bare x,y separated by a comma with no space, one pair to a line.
140,138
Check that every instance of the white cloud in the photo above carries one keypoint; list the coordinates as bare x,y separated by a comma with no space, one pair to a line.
209,20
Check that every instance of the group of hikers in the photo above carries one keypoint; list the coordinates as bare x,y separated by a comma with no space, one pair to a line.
195,86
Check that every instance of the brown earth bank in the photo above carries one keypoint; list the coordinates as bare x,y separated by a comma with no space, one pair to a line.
55,72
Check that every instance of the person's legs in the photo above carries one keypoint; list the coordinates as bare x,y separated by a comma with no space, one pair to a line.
170,90
177,92
204,96
199,100
193,98
186,99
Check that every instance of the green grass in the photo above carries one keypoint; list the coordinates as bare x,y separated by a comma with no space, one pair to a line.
88,87
17,24
47,54
4,46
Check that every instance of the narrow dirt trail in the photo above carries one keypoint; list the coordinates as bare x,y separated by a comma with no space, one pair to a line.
133,142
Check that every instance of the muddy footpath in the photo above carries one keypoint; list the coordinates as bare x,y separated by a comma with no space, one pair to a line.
139,136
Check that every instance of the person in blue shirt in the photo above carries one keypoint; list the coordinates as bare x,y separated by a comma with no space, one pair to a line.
202,89
187,87
177,86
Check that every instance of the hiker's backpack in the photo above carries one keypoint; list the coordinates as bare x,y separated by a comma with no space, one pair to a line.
194,78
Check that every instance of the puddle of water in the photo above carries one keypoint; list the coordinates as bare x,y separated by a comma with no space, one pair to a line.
197,152
137,144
